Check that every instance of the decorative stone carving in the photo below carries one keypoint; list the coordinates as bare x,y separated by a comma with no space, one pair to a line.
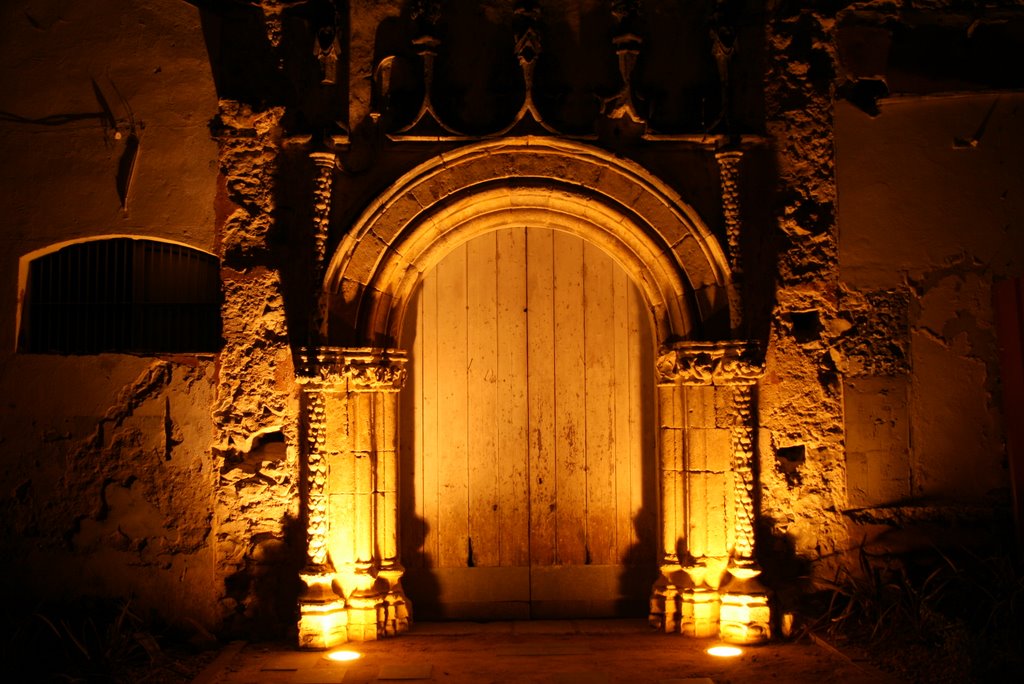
627,47
723,46
729,173
709,363
528,49
743,473
325,163
426,124
326,49
358,369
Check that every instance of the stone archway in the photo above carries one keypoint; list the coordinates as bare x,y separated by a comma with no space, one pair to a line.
351,384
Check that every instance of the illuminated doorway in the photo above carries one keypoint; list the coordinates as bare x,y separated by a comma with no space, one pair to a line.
528,455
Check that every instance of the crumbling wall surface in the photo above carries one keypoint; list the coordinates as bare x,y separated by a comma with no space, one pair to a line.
260,543
800,440
106,472
930,206
107,482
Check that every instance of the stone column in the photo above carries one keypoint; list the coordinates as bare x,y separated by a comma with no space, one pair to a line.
729,177
745,614
711,599
325,163
377,605
323,618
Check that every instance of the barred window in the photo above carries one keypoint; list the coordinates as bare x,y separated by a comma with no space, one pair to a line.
121,295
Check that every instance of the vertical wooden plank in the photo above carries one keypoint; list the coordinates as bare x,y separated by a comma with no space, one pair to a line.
411,501
642,456
482,398
429,454
541,395
601,400
570,410
453,463
625,395
647,460
513,410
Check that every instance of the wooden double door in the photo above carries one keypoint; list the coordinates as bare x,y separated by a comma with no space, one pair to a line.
527,433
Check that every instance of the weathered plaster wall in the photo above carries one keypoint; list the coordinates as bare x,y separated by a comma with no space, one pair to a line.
929,217
801,438
107,480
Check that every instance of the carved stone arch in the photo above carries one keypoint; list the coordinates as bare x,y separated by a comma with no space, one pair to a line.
704,469
614,203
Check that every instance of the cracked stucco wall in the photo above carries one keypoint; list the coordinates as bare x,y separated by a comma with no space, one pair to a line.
933,223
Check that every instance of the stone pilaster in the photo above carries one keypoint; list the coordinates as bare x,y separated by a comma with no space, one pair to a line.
353,396
717,588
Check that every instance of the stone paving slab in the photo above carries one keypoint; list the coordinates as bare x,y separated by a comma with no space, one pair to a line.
583,677
406,672
572,652
544,648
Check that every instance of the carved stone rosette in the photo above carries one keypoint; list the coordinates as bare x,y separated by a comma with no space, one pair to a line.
350,411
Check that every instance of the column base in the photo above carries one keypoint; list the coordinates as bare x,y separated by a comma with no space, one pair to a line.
323,617
745,613
397,610
364,615
699,612
664,615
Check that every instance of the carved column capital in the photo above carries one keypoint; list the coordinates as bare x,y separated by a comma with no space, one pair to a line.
356,369
324,160
710,363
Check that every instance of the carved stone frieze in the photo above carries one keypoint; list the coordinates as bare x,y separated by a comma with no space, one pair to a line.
365,369
710,363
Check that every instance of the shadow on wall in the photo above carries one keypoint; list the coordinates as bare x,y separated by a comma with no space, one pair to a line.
424,590
641,567
783,571
264,593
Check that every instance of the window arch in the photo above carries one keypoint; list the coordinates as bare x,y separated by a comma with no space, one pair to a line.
120,294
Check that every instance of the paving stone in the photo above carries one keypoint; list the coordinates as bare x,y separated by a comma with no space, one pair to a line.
289,661
413,671
588,677
318,675
544,649
545,627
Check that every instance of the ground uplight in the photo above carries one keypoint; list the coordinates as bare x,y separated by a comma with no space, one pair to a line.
342,656
724,651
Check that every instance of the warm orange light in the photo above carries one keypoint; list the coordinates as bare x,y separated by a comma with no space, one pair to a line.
342,656
724,651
